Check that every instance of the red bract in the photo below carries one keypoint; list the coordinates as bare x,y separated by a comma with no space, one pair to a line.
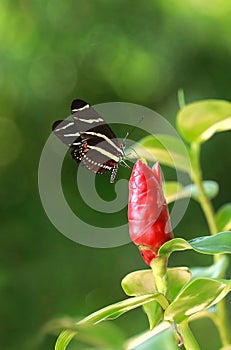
148,216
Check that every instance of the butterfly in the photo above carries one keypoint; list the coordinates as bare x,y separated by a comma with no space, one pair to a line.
91,140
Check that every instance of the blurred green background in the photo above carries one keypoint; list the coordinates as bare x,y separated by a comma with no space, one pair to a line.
131,51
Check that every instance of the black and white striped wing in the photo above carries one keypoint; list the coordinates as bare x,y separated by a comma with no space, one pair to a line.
100,148
89,121
91,140
93,160
66,131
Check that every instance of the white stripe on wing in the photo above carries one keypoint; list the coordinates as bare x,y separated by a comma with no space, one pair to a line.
69,135
106,139
90,121
105,153
80,109
64,127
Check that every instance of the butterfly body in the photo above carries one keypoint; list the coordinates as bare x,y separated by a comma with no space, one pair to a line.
91,140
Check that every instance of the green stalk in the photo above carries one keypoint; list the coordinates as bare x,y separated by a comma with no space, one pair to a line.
210,217
189,340
159,269
197,178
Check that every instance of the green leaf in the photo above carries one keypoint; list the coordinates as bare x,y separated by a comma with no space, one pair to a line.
216,244
181,98
223,217
166,149
198,295
154,313
64,339
107,313
142,282
178,277
212,271
174,190
139,283
101,336
115,310
173,245
162,337
198,121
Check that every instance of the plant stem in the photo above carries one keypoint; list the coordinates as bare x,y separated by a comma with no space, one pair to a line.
197,178
189,340
159,269
223,323
207,208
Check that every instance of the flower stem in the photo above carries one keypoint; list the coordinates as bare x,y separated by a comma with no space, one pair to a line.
159,269
207,208
189,340
223,323
197,178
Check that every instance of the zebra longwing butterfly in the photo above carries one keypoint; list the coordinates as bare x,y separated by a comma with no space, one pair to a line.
91,140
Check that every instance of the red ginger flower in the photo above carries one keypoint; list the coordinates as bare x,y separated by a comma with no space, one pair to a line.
148,216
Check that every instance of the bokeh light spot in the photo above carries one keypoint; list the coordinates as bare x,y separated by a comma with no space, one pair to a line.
59,70
10,141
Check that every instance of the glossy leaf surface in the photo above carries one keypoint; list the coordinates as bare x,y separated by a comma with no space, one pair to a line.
142,282
110,312
212,271
160,338
223,217
198,295
101,336
199,121
166,149
216,244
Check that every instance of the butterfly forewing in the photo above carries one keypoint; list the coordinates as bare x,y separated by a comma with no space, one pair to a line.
67,132
91,140
87,119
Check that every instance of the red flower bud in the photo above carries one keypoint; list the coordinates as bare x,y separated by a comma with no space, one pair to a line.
148,216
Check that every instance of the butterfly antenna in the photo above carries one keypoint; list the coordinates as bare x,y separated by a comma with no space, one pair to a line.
131,131
134,127
137,155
